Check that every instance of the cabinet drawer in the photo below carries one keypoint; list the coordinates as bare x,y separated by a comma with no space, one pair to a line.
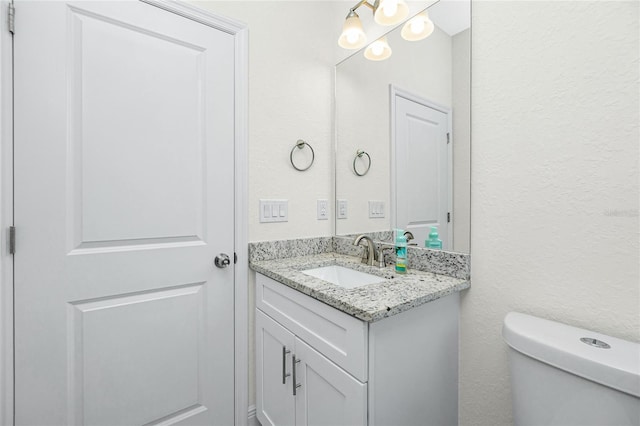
338,336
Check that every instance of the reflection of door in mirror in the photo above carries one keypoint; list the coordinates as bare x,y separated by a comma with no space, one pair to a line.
420,166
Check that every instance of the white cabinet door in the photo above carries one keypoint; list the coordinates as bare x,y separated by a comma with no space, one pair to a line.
124,150
274,353
327,395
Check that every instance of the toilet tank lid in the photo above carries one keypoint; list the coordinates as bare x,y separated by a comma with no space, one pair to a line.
559,345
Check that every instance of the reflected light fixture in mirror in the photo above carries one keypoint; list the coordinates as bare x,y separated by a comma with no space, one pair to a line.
390,12
379,50
418,27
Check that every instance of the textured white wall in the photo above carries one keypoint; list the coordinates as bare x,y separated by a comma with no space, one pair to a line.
555,177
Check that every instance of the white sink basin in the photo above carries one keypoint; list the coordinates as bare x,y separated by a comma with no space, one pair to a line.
343,277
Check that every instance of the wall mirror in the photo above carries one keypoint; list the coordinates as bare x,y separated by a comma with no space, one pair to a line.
410,114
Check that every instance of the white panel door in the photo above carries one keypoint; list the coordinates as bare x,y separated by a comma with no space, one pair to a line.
328,395
421,165
275,404
124,142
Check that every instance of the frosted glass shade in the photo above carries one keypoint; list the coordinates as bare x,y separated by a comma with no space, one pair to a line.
379,50
352,36
390,12
417,28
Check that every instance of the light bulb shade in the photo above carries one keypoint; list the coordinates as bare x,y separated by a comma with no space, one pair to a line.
417,28
379,50
390,12
352,36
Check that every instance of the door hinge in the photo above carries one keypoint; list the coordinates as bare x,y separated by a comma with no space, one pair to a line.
235,258
448,217
12,18
12,240
448,137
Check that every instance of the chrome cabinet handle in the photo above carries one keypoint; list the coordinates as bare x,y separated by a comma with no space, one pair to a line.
285,351
222,260
294,361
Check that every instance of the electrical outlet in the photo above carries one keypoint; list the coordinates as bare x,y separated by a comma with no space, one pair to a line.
323,209
341,209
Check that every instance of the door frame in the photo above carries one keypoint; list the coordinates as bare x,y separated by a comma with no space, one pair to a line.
395,91
239,31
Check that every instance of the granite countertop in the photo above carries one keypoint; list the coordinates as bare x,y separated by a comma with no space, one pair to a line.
372,302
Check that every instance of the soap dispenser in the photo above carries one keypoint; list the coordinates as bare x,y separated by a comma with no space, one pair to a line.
401,252
433,242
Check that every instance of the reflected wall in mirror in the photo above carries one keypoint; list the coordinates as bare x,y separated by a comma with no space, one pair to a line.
411,114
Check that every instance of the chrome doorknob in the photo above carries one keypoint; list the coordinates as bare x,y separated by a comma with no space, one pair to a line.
222,260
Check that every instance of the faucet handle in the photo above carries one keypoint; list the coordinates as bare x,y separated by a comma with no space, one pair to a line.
381,262
365,254
409,236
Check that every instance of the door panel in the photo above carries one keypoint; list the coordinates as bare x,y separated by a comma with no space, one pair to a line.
112,104
422,169
124,131
105,332
275,401
328,395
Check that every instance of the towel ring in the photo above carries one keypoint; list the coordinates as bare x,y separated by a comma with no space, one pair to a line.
359,154
301,144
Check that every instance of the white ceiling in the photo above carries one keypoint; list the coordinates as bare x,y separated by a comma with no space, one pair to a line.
451,16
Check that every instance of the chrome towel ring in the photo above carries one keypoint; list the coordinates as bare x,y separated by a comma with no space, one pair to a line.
359,154
301,144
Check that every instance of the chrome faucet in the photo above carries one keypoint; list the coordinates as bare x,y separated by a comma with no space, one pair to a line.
409,236
369,254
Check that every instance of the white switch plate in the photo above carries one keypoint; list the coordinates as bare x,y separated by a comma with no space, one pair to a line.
323,209
274,211
341,209
376,209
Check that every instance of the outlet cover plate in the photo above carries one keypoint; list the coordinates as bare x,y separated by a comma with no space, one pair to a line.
323,209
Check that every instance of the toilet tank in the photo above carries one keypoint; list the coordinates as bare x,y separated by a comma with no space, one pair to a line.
563,375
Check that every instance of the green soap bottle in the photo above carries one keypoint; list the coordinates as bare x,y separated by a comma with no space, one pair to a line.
433,242
401,252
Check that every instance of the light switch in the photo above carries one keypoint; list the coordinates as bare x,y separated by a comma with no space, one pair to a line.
274,211
376,209
341,209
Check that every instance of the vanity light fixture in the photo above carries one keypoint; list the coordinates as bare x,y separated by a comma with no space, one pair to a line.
385,12
417,28
379,50
352,36
390,12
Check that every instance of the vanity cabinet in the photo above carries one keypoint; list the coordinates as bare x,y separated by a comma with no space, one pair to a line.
300,386
316,365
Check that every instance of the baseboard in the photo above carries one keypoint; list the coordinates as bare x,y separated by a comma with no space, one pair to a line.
253,420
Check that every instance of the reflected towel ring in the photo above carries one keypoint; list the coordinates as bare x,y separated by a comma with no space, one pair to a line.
301,144
359,154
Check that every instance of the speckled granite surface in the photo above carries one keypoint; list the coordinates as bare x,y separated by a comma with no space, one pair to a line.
267,250
427,260
394,293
